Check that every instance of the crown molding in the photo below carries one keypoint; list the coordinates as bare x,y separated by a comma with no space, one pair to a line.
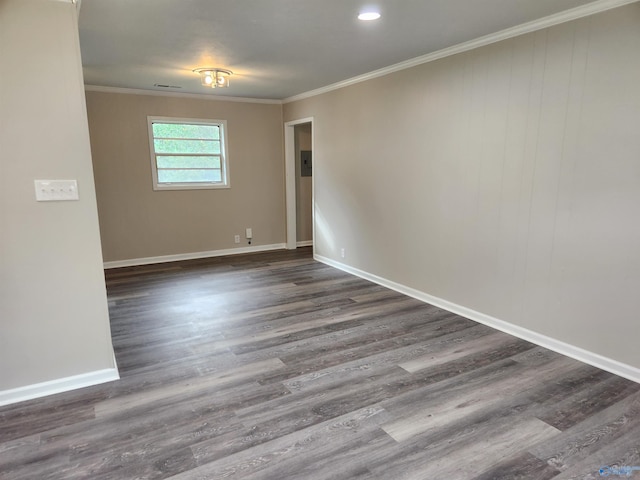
199,96
540,24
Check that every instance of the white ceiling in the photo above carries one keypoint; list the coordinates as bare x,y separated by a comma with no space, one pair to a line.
278,48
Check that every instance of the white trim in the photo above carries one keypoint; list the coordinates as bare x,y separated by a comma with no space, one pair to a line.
196,96
60,385
224,155
610,365
546,22
192,256
305,243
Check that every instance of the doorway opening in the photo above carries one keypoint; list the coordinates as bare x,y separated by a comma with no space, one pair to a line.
298,137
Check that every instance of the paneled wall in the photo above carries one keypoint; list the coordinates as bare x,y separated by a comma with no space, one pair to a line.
505,180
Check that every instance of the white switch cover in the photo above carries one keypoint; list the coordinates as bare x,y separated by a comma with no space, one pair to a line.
249,233
56,190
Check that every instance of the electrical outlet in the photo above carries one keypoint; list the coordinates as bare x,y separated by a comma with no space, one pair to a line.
236,239
249,233
342,252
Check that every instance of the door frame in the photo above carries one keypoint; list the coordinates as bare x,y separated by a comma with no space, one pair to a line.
290,180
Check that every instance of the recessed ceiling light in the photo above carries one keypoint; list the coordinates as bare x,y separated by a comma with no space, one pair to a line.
369,16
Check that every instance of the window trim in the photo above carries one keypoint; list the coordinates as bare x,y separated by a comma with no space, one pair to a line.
224,155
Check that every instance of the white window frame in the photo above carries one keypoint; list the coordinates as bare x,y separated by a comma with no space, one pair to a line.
224,155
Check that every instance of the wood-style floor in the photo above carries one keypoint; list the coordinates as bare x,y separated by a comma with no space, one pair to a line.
273,366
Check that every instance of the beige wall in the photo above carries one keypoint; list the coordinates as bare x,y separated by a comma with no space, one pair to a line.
53,309
505,179
304,217
138,222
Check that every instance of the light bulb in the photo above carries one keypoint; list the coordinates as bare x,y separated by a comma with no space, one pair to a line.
212,77
369,16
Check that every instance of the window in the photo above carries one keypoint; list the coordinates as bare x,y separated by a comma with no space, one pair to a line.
188,154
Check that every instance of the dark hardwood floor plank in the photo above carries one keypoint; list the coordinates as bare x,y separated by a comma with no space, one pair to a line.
349,461
588,403
471,452
375,343
396,356
318,440
361,335
520,466
598,431
432,359
437,412
300,324
168,394
622,452
329,462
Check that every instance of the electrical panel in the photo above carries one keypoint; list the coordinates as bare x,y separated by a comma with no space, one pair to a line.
305,163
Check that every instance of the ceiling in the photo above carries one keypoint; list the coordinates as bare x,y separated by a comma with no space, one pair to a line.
278,48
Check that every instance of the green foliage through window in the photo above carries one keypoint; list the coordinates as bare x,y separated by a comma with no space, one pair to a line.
188,153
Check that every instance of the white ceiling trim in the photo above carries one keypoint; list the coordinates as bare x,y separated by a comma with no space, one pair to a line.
542,23
199,96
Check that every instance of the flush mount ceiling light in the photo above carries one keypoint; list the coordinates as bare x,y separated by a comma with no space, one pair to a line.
369,15
214,77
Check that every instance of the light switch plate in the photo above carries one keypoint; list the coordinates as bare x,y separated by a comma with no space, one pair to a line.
56,190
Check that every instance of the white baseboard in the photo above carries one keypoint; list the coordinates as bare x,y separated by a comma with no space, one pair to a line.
305,243
192,256
60,385
613,366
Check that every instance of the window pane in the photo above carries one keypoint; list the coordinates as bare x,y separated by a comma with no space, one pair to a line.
187,152
182,130
188,162
186,146
188,176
